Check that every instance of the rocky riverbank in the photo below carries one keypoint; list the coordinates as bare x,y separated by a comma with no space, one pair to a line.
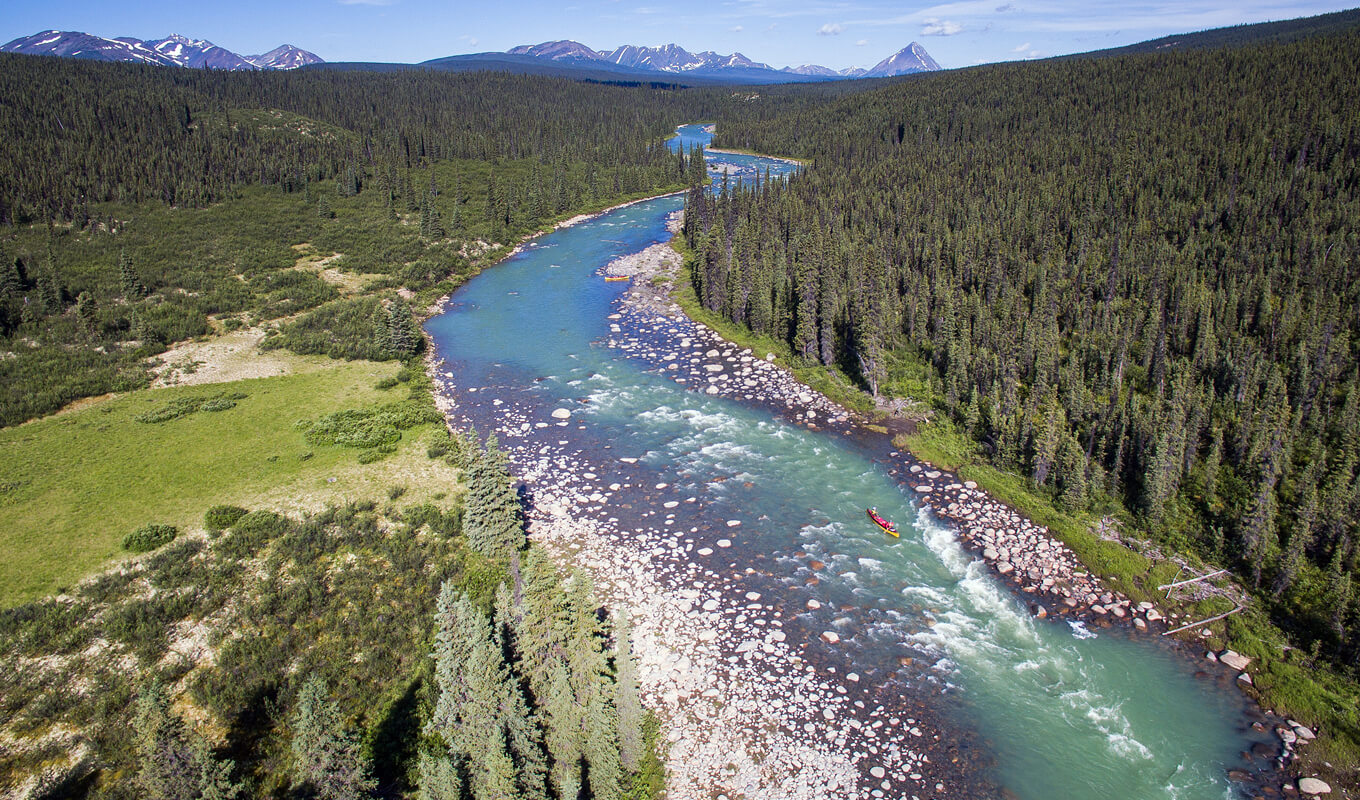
1025,555
749,709
756,701
750,666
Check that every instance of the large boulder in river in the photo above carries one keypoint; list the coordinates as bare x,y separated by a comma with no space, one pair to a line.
561,413
1234,660
1314,786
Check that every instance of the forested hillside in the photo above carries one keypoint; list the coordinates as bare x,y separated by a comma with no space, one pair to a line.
80,133
1131,280
143,206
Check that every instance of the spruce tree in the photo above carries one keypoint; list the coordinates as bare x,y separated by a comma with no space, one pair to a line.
382,334
404,337
173,763
479,715
165,759
128,283
493,522
628,699
437,776
87,311
327,759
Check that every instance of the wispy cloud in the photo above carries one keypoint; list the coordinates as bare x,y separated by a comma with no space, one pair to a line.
940,27
861,42
830,29
1020,48
737,28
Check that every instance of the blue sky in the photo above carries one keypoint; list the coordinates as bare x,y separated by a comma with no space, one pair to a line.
834,33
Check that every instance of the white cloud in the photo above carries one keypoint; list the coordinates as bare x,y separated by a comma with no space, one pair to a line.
830,29
1021,48
861,42
939,27
737,29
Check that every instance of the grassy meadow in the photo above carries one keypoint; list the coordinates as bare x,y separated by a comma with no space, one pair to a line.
76,483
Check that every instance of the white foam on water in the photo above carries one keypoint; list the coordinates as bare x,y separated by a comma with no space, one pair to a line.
1110,721
928,594
1124,745
662,414
727,454
1080,631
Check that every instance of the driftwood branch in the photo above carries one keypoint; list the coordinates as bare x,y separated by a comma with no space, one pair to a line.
1191,580
1205,621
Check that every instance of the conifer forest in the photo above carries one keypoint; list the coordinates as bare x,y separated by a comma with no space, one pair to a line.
1131,280
1127,284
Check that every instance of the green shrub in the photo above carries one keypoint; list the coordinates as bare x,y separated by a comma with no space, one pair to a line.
169,322
385,384
376,454
368,427
251,532
217,404
220,518
352,428
149,537
184,406
341,329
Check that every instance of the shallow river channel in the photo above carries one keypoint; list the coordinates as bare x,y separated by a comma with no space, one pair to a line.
935,670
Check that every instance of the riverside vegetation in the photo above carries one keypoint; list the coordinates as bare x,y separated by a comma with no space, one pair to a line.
1119,287
320,614
1094,269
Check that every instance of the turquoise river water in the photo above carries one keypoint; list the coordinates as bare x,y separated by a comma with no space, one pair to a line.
1055,711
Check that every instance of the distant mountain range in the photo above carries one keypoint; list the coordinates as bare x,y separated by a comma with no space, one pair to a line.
172,51
675,59
670,62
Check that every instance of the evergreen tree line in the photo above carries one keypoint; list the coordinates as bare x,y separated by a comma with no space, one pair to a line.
94,151
1130,278
79,133
533,702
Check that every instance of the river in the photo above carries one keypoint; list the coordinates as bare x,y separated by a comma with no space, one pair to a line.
1037,707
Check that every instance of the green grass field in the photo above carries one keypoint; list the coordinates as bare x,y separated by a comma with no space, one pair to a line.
74,484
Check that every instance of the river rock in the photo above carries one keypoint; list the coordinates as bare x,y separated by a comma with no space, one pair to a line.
831,637
1314,786
561,413
1234,660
